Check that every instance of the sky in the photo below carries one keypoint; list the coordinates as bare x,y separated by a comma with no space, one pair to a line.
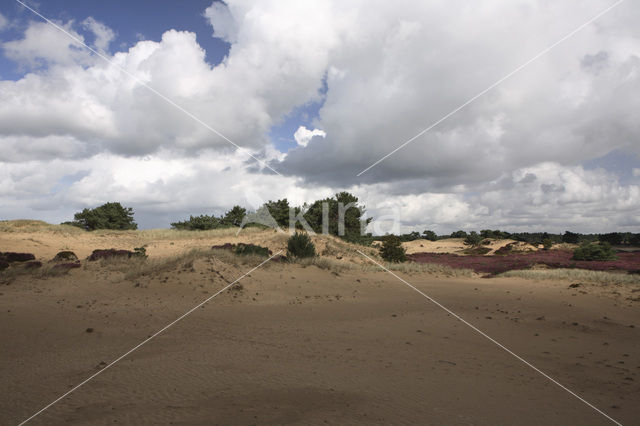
531,110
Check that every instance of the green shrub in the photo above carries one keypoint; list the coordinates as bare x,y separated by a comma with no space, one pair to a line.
547,243
602,251
473,239
199,223
476,250
140,252
107,216
392,250
300,245
205,222
251,249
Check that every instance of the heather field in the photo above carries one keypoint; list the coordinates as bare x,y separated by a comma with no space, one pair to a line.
627,261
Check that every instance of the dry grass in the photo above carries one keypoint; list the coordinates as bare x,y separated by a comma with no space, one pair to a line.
24,225
47,270
136,268
326,263
422,268
406,268
575,275
177,234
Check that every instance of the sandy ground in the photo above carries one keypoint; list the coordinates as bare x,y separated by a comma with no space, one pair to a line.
301,345
457,246
46,241
158,243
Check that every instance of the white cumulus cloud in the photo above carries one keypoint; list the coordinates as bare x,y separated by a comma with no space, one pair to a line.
304,135
76,131
103,34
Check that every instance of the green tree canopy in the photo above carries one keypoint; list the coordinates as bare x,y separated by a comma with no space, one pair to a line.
429,235
234,216
107,216
342,204
459,234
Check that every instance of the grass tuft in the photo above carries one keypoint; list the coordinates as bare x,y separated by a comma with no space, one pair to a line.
407,268
138,267
602,277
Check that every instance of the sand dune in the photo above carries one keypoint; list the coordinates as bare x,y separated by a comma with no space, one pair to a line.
298,344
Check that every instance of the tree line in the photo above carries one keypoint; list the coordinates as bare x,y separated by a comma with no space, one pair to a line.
341,215
613,238
325,216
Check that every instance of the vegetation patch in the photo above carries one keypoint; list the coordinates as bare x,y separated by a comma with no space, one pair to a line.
11,257
392,250
113,253
473,239
587,251
65,267
300,246
583,275
32,264
251,249
478,250
225,246
492,265
65,256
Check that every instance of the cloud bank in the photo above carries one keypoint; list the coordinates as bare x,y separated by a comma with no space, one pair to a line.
74,127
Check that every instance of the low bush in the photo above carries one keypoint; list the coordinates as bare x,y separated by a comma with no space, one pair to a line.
139,252
392,250
504,250
11,257
602,251
200,223
476,250
65,256
251,249
473,239
225,246
300,245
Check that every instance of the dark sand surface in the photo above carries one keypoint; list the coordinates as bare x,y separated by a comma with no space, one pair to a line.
307,346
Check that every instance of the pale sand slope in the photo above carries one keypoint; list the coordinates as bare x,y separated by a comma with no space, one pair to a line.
45,241
456,245
306,346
